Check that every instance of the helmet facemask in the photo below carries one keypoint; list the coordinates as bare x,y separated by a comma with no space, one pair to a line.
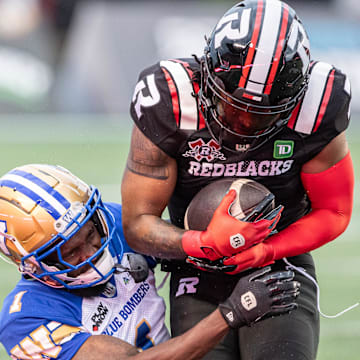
249,125
93,271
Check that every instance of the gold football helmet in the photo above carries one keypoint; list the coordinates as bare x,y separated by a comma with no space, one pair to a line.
41,208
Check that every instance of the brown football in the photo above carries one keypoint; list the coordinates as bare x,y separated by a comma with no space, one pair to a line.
201,208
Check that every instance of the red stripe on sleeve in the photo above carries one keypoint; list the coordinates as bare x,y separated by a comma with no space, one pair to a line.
196,89
279,49
254,40
174,96
325,101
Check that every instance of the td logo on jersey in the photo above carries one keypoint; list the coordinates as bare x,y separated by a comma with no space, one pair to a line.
283,149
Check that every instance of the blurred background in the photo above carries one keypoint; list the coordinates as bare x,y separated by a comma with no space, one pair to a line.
67,73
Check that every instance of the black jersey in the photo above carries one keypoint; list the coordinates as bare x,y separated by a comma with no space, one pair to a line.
165,109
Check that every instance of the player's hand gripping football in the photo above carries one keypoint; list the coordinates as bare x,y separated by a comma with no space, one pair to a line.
226,235
260,294
257,256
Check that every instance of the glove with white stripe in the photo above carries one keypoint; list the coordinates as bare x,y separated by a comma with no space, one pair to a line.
260,294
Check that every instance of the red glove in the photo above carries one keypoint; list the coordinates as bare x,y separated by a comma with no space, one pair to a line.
258,256
226,235
328,219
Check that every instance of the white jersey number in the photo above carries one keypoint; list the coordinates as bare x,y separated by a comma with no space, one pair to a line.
142,339
151,98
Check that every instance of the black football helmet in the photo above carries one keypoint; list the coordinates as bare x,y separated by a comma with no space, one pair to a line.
253,73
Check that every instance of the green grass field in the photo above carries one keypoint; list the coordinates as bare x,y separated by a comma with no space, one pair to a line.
95,149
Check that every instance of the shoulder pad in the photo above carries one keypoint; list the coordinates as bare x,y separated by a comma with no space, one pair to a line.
326,83
183,90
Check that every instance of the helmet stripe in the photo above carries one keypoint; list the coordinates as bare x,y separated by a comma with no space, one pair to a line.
254,40
266,47
37,190
279,49
32,195
43,185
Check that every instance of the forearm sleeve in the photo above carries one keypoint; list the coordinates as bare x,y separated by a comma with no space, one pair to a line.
331,196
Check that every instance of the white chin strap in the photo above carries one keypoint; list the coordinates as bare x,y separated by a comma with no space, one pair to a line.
103,266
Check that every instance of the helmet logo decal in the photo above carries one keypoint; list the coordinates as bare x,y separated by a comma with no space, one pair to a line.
37,190
76,210
233,33
201,150
300,46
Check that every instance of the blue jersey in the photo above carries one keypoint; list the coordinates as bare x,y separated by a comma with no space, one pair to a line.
39,322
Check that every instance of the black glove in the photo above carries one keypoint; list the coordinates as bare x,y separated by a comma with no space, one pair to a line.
260,294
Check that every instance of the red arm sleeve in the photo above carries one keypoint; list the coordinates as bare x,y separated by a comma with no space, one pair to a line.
331,196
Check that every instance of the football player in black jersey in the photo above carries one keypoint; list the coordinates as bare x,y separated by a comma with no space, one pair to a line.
254,105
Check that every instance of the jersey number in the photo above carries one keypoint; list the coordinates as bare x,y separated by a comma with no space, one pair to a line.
145,95
37,344
17,304
142,340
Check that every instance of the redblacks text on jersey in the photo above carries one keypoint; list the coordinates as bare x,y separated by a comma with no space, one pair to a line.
165,109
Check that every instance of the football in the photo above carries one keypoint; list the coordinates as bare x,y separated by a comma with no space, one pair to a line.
252,199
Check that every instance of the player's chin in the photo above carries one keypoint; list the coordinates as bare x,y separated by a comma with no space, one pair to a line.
83,269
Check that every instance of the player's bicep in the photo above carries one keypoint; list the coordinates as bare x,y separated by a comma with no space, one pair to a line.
102,346
146,159
149,178
332,153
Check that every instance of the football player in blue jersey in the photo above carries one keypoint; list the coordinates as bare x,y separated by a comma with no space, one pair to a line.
84,294
254,105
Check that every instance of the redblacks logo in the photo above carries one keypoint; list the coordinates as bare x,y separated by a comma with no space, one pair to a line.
241,168
200,150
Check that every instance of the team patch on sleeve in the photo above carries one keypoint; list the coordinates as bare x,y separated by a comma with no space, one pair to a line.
309,113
